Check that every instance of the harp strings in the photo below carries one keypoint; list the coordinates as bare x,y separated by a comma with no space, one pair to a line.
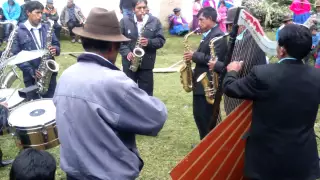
244,50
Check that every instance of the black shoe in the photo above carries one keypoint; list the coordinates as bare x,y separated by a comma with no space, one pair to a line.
6,162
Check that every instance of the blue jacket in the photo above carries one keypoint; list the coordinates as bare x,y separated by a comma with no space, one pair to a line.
13,12
98,117
24,41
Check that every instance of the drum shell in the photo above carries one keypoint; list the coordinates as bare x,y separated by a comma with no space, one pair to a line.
37,137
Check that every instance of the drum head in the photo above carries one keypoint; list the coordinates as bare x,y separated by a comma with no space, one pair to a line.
34,113
12,101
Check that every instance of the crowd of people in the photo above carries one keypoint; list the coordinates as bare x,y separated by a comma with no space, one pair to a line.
99,115
69,18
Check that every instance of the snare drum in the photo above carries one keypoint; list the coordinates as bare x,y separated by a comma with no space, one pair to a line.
4,114
33,125
10,96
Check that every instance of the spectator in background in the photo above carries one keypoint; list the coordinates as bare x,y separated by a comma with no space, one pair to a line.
32,164
222,11
195,10
2,18
286,20
178,25
228,3
315,45
301,10
68,18
23,15
126,7
49,12
207,3
11,11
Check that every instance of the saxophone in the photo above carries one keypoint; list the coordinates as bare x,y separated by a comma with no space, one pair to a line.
7,79
186,69
210,87
80,17
138,53
47,65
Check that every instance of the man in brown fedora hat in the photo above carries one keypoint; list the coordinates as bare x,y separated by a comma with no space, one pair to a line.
100,109
287,19
247,50
152,39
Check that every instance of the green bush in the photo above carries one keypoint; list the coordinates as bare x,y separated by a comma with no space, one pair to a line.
270,13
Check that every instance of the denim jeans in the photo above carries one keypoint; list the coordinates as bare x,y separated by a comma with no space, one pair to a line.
6,28
127,12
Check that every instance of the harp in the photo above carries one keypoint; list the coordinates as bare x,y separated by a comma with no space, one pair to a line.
220,155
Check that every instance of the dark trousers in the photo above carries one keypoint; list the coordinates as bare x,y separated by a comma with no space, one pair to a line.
202,113
143,77
70,178
7,31
52,86
71,25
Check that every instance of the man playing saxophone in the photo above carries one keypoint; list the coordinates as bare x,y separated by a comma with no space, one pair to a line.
32,35
202,110
145,32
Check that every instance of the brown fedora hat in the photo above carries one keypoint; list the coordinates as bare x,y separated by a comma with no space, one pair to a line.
101,24
232,12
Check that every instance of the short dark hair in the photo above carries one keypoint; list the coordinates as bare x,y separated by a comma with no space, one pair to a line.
296,39
32,164
313,28
135,2
92,45
209,13
33,5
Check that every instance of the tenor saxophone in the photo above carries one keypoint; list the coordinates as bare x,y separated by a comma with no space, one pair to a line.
210,87
138,53
186,68
8,78
47,65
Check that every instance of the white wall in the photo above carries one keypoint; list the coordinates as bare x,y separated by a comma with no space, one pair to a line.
155,6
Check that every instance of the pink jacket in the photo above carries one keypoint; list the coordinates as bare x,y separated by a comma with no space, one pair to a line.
298,7
196,8
206,3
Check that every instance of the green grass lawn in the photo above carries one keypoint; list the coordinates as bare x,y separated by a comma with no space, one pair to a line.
160,153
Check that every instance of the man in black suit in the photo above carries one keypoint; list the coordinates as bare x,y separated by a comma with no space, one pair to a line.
152,39
281,142
202,111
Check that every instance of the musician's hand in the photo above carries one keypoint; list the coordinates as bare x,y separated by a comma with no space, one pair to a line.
38,75
144,41
130,56
188,56
211,64
53,50
235,66
5,104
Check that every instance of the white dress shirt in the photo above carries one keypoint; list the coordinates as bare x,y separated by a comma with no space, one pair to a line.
36,33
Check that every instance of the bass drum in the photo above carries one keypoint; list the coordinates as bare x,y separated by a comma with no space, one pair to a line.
33,125
4,114
11,97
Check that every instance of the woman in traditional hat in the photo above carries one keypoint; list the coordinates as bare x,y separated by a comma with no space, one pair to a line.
222,12
301,10
179,25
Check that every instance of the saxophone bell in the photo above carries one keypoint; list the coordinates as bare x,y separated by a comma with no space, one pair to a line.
138,52
52,65
209,92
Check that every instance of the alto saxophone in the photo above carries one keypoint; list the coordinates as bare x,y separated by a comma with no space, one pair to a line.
186,68
210,87
138,53
47,65
7,79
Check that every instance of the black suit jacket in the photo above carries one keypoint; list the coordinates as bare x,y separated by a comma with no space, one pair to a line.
281,144
202,56
153,31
